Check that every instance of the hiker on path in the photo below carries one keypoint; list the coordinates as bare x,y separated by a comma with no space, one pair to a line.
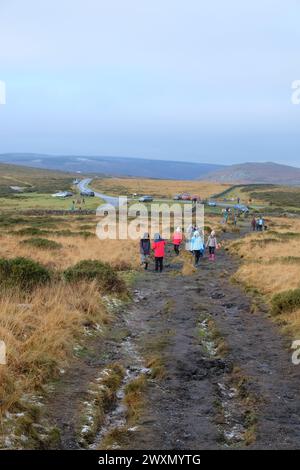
197,246
145,247
177,239
253,224
188,238
159,251
260,224
212,245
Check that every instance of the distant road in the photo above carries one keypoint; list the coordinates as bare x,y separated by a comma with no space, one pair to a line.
84,186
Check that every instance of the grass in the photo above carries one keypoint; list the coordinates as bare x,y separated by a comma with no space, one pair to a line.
45,201
104,275
156,188
42,243
271,266
22,274
39,331
134,393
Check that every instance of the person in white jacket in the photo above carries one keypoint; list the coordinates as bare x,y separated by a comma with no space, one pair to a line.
197,246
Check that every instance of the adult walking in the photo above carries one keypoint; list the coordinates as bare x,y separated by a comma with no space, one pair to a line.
212,245
145,247
177,239
159,252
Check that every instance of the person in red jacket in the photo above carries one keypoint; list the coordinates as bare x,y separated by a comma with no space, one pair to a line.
159,251
177,239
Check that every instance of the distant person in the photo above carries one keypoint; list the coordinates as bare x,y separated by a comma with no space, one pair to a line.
197,246
73,206
145,247
253,224
212,245
177,240
238,200
159,252
261,224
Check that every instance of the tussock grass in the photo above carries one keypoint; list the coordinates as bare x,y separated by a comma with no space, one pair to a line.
271,266
42,243
103,274
39,331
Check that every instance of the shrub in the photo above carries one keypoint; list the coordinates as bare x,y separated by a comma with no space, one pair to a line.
90,270
31,231
286,301
42,243
22,273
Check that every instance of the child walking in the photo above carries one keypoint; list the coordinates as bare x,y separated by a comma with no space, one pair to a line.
145,250
212,245
177,239
159,251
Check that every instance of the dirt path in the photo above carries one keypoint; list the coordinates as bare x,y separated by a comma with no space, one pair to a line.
220,375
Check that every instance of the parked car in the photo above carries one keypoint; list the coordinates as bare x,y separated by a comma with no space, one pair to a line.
146,199
63,194
186,197
212,204
177,197
241,208
87,193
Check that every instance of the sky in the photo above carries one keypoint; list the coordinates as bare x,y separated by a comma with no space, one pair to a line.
178,80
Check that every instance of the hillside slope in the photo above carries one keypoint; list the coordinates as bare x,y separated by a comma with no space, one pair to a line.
257,173
114,166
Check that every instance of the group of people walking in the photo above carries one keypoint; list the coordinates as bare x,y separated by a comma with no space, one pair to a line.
194,243
258,224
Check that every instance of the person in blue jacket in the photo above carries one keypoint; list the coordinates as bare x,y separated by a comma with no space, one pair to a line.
197,246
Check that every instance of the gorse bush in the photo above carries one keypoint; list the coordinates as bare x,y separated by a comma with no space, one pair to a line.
42,243
22,273
89,270
286,301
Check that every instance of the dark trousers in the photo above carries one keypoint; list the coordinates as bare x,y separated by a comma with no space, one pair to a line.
197,254
211,250
176,249
159,263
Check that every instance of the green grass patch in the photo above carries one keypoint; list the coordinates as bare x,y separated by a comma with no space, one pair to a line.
89,270
42,243
287,301
22,273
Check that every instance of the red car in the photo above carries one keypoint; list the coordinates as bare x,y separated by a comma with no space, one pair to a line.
186,197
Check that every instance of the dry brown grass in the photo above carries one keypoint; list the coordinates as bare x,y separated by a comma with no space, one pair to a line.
73,249
158,188
39,331
268,263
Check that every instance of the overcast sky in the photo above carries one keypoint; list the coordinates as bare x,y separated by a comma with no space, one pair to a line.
191,80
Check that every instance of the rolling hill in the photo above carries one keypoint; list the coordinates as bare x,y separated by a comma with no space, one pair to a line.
270,173
114,166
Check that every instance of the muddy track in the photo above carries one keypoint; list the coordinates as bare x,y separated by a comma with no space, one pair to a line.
224,375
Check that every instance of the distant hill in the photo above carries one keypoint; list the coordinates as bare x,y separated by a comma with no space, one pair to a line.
114,166
248,173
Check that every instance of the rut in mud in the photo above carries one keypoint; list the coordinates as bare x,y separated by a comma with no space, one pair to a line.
207,371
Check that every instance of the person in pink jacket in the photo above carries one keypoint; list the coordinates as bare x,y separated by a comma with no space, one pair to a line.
159,251
177,239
